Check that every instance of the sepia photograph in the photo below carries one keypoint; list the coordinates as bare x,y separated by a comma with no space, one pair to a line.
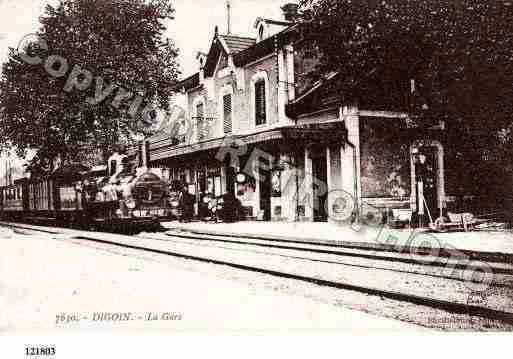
255,166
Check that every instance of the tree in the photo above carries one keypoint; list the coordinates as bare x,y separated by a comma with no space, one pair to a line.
458,52
94,74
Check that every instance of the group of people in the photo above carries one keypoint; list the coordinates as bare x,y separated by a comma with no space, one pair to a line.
225,208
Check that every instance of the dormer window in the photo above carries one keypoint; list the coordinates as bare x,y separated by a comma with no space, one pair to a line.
261,32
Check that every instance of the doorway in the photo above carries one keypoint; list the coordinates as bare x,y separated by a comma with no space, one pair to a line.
427,173
230,177
265,190
320,184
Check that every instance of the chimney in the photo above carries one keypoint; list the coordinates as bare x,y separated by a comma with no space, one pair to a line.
290,11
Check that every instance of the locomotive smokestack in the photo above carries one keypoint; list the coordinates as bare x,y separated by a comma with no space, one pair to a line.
145,154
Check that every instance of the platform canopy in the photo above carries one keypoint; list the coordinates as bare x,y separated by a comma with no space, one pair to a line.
300,135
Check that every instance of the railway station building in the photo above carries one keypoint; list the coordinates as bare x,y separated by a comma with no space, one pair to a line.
251,122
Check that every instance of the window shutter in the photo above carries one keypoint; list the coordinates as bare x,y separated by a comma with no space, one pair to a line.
260,105
201,122
227,104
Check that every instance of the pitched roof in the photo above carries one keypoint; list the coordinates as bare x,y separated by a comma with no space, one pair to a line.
237,44
273,22
228,44
265,47
244,50
189,82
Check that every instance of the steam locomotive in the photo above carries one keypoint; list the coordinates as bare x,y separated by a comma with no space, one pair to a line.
107,198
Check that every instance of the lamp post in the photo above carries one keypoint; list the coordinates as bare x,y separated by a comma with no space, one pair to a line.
419,161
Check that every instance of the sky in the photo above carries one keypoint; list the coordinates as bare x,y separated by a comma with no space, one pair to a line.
192,30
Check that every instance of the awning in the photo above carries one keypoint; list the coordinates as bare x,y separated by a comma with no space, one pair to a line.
301,135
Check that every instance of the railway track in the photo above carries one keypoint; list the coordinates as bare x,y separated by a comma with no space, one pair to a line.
350,251
443,252
208,250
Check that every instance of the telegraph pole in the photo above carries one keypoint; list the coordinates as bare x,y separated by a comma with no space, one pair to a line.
229,18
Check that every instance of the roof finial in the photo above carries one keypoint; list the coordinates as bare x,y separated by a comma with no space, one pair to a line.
229,11
216,30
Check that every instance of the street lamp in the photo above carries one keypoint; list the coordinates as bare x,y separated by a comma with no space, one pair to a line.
240,178
419,161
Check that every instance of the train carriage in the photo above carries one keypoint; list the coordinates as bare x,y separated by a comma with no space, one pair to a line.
112,197
41,199
67,194
14,200
40,195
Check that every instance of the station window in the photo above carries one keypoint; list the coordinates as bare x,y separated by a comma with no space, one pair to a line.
227,116
201,122
260,105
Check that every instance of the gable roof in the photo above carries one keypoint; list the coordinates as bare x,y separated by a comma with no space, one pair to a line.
216,49
189,82
265,47
227,44
273,22
243,49
237,44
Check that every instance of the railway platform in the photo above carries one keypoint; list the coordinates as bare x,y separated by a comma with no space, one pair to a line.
479,243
